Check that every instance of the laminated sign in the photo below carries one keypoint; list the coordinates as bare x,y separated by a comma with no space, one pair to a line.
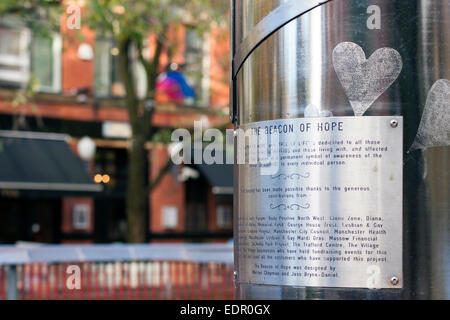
320,202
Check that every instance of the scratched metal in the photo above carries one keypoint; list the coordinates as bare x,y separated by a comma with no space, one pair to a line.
293,69
251,28
434,128
312,111
365,80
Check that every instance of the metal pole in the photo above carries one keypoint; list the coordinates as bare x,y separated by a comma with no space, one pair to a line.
380,69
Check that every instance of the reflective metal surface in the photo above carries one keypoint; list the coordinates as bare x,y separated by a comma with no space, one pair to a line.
294,69
277,18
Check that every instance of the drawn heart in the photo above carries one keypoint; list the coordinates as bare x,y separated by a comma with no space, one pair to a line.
434,128
365,80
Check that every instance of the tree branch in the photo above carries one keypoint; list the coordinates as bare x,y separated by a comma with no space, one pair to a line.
124,43
153,68
142,60
151,72
162,172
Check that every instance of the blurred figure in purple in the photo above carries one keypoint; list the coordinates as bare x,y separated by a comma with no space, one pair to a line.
172,87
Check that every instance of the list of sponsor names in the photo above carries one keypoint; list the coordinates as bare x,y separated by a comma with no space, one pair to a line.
314,243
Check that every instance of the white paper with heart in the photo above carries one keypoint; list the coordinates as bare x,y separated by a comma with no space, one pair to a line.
434,128
365,80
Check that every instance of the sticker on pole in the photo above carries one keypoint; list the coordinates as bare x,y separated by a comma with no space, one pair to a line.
320,202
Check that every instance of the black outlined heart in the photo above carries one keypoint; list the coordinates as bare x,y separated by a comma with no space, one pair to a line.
434,128
365,80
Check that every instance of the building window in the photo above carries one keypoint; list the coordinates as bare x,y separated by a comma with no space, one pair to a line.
197,64
112,164
105,71
107,74
14,55
224,216
23,54
196,193
170,217
81,217
46,62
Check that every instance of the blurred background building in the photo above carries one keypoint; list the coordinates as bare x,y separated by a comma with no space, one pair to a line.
65,133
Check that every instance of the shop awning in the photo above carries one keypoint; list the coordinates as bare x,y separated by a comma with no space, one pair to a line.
41,162
220,176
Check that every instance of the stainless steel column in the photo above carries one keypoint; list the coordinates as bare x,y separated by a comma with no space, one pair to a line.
293,68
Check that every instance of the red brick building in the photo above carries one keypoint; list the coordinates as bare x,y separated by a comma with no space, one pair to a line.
80,94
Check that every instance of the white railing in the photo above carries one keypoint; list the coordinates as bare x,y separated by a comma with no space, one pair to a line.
147,271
